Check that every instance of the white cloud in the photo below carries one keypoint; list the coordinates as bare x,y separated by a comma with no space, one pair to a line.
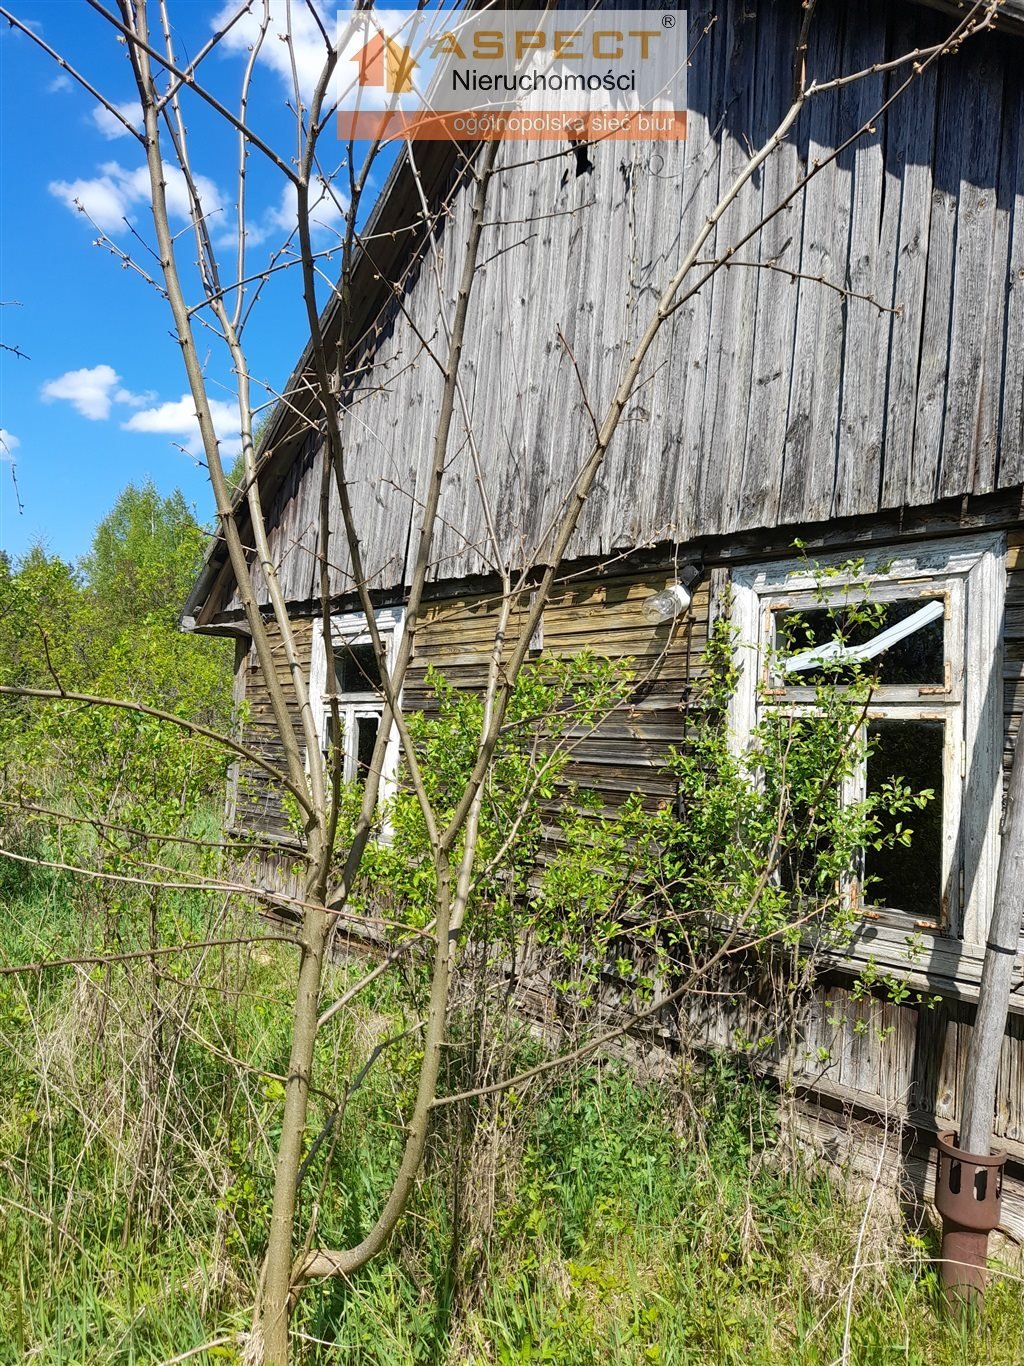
326,215
178,418
178,203
60,84
306,39
117,193
92,392
9,443
9,30
112,127
101,199
343,25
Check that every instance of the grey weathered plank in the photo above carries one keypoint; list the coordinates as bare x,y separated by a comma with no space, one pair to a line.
933,360
1000,312
910,150
680,439
870,270
733,290
808,471
1011,352
779,244
977,277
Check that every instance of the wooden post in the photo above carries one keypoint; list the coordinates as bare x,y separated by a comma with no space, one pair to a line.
1001,950
968,1194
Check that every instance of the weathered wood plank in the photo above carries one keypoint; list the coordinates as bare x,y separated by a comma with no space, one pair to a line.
778,248
734,290
977,277
680,446
767,402
808,471
870,271
859,1149
1011,428
910,151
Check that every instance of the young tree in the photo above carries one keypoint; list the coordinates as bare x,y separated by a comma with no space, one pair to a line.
145,556
333,848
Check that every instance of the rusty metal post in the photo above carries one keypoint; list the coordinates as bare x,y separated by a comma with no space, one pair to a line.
969,1196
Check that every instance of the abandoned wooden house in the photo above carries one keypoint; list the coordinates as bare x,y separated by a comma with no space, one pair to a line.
861,389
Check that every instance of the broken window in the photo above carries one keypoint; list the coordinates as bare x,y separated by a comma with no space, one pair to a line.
900,642
358,692
908,876
923,628
356,668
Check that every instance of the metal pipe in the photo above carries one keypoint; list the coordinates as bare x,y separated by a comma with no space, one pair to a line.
969,1197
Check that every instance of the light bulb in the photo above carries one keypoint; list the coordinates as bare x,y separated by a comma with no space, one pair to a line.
669,603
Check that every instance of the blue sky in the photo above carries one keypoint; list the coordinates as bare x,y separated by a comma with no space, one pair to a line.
101,399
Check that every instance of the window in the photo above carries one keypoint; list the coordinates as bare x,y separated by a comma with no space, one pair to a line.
934,717
358,691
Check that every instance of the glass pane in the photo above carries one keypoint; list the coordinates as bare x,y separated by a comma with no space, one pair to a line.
355,668
366,737
328,734
918,658
909,878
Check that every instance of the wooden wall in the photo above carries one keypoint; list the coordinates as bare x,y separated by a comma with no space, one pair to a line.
602,616
774,406
600,611
771,400
255,804
902,1063
1013,643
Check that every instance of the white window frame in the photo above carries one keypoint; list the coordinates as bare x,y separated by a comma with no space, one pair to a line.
350,628
969,577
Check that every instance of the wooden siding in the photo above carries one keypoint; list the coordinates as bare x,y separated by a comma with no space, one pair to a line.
902,1062
770,400
627,752
601,612
255,804
774,406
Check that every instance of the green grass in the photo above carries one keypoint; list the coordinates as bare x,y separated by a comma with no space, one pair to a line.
626,1237
587,1219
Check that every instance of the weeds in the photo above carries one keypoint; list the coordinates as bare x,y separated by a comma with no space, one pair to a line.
586,1217
591,1218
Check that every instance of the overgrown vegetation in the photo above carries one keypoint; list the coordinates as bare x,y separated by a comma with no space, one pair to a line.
589,1217
109,624
583,1215
759,845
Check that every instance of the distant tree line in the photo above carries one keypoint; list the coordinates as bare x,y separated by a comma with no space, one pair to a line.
108,624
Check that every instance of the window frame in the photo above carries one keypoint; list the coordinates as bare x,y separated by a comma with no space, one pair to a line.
970,577
350,628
